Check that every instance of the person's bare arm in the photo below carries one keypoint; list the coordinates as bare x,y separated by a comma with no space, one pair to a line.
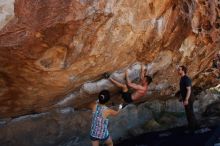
126,77
130,84
110,112
92,105
143,72
117,83
187,95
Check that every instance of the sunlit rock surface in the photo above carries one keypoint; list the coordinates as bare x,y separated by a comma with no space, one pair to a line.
53,52
6,12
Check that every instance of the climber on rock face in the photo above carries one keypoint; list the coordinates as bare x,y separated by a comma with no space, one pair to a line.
140,89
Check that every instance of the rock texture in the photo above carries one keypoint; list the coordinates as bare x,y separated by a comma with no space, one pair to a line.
50,49
68,127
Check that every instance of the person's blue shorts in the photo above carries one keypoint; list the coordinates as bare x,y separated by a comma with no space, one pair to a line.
95,139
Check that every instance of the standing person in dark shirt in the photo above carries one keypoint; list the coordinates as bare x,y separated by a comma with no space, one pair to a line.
186,97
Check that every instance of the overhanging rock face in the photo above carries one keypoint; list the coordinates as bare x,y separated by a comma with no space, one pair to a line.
50,49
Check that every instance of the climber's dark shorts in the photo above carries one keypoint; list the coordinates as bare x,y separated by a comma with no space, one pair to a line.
95,139
127,97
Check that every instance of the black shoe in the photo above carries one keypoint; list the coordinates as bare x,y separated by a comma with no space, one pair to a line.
124,105
106,75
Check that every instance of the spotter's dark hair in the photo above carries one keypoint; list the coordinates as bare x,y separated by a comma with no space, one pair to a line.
104,96
184,68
